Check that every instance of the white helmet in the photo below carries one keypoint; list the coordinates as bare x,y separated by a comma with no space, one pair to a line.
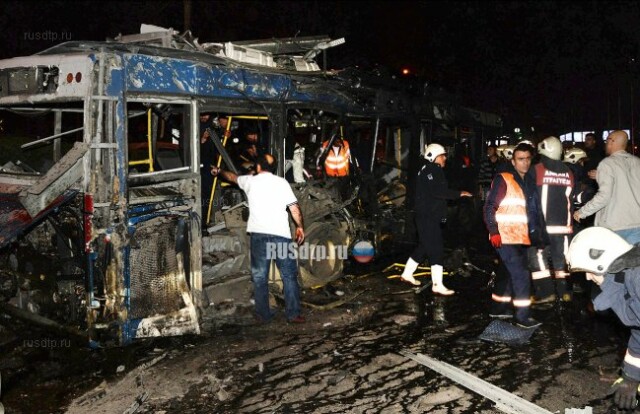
550,147
573,155
432,151
594,249
506,151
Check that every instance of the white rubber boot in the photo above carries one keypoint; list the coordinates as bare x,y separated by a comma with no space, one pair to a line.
436,280
407,274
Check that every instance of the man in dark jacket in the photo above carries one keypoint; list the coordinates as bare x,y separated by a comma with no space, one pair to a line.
432,194
595,154
513,219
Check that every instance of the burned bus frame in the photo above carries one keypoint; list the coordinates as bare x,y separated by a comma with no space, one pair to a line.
137,232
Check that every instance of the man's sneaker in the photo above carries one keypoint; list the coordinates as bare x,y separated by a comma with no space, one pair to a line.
501,315
528,323
297,319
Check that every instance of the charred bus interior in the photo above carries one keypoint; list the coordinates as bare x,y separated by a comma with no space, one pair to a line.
112,223
43,271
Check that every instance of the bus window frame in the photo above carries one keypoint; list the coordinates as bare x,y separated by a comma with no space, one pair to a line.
191,108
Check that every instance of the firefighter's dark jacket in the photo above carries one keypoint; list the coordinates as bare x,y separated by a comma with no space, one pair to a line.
535,220
432,193
553,178
621,293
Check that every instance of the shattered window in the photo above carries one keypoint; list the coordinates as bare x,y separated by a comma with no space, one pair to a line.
157,136
309,128
33,139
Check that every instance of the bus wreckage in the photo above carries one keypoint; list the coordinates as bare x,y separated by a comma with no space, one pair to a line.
105,229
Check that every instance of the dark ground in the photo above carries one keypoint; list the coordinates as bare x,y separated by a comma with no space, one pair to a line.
342,360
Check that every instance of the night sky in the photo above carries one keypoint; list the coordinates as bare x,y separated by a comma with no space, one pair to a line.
561,66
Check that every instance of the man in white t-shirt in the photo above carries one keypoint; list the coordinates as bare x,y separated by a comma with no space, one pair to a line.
269,198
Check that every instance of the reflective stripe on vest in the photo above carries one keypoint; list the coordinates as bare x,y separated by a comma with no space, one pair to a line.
631,360
512,214
337,165
541,274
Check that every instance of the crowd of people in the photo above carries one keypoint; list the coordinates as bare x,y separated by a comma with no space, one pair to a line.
532,210
534,199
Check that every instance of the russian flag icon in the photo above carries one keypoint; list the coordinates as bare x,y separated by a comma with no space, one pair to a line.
363,251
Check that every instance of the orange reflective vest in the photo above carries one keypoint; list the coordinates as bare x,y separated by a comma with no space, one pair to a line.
337,165
511,215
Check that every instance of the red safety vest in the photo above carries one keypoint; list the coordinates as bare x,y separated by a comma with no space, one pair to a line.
512,214
337,165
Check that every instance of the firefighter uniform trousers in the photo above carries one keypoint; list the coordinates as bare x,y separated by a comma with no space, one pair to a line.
429,241
541,273
620,293
514,285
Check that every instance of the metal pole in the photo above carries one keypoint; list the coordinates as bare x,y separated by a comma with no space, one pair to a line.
49,138
187,15
375,144
505,401
632,130
398,149
57,147
215,179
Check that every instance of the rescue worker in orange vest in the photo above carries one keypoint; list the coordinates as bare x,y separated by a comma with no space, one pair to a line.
513,219
336,163
555,184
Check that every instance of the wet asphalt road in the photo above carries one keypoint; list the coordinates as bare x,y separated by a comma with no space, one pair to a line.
569,362
349,367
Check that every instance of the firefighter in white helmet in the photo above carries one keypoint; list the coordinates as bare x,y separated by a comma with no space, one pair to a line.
505,153
574,155
555,184
432,194
614,264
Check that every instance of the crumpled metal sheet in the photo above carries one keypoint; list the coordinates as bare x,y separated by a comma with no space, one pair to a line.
221,243
505,332
239,264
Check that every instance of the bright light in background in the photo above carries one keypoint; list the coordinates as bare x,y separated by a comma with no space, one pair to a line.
405,71
605,134
577,136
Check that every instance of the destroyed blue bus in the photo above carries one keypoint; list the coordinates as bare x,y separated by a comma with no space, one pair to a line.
101,204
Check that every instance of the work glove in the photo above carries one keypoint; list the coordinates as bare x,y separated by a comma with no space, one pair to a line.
625,391
496,240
